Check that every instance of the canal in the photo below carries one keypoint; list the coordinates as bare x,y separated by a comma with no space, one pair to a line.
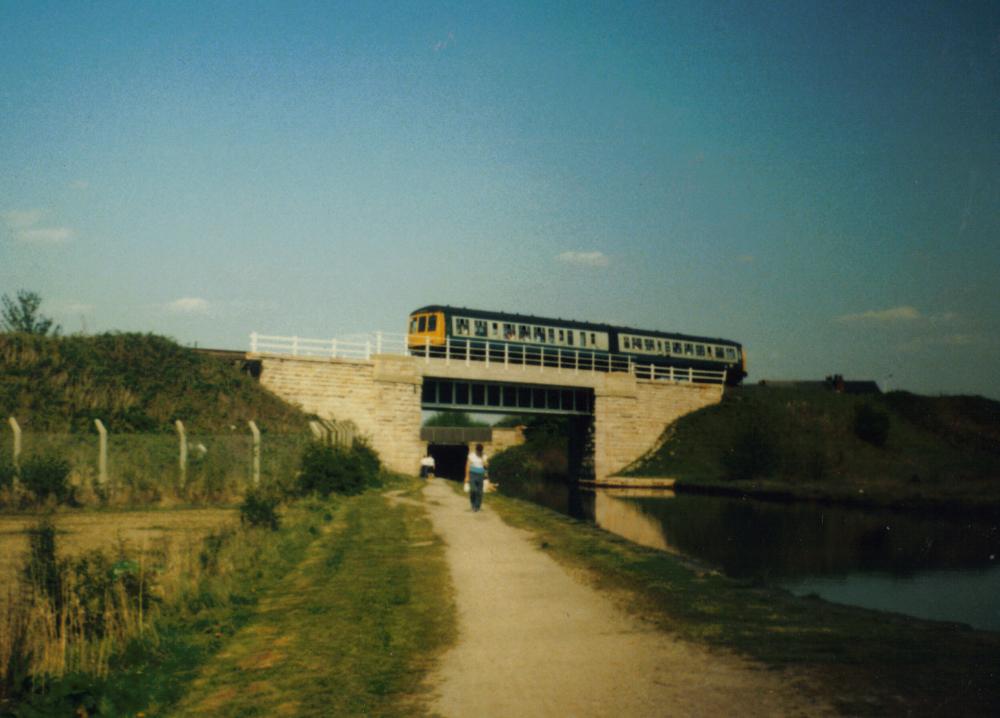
938,567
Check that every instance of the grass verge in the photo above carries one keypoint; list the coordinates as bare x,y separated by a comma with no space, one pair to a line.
864,662
352,630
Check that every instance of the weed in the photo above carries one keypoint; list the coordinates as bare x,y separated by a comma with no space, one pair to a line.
47,476
260,508
871,425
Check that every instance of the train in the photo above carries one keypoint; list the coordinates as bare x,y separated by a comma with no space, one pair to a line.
441,330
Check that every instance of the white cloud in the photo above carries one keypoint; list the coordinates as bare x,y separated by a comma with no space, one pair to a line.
446,43
188,305
44,235
21,218
586,259
895,314
946,340
22,224
79,184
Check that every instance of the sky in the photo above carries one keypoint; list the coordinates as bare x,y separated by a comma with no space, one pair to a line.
819,181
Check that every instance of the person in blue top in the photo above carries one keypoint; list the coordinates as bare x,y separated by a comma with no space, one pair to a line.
475,475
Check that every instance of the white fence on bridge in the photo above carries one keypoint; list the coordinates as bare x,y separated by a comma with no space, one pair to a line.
506,354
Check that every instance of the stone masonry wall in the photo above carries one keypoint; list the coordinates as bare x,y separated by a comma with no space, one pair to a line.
630,417
381,397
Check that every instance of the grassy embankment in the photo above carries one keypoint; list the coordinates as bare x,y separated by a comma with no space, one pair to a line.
339,612
138,385
904,450
863,662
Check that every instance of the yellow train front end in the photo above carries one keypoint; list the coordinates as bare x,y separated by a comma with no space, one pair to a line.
426,330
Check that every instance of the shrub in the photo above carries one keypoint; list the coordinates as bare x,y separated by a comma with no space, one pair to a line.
7,472
260,508
871,424
754,454
46,476
42,570
329,469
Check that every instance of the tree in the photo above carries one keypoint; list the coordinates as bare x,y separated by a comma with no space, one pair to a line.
23,316
453,418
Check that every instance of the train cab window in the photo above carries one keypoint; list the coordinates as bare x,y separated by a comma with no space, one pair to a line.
432,323
523,331
689,349
480,326
422,325
413,325
508,331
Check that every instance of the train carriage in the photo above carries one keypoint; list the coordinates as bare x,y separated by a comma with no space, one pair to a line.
440,330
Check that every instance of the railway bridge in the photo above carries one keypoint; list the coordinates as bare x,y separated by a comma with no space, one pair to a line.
378,384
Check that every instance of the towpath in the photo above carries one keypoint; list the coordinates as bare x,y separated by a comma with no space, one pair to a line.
537,641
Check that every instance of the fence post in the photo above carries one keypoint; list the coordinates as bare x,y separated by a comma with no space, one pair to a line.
690,376
253,342
295,346
378,342
182,458
318,432
368,349
256,452
427,350
468,342
16,428
102,455
506,355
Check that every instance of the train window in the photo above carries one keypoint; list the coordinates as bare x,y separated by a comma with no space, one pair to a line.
422,325
719,354
583,339
700,349
593,339
480,328
461,326
730,353
495,329
562,336
508,331
432,323
413,325
523,331
552,336
540,334
677,348
689,349
569,337
650,346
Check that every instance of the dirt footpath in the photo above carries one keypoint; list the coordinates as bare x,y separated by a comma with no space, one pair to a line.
534,641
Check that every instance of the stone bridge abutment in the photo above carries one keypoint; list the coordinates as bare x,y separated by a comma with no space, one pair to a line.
382,396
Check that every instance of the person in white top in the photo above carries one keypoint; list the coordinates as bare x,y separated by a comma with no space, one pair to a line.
427,467
475,475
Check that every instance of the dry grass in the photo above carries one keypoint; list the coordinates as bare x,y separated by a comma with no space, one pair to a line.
81,533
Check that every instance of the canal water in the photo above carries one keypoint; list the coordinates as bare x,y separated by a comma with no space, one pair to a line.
943,568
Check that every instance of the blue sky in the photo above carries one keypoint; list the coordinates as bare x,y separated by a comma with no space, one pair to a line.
818,181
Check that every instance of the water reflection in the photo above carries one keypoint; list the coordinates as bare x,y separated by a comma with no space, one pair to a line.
934,567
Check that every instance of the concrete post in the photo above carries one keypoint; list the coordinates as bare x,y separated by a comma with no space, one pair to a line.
16,428
253,342
102,455
256,452
318,432
182,459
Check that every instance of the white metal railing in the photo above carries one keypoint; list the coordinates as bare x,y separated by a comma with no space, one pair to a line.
352,346
506,354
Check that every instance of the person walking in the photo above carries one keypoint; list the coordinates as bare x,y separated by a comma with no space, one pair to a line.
475,475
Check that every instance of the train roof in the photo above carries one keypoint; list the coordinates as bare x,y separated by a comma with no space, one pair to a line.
570,323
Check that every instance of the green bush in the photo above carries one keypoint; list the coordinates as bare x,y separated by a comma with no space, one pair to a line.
332,469
7,472
754,454
260,508
871,424
46,476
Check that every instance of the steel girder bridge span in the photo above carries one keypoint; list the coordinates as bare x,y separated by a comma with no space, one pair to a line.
504,398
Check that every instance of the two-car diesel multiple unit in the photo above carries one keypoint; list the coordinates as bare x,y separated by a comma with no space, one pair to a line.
438,329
